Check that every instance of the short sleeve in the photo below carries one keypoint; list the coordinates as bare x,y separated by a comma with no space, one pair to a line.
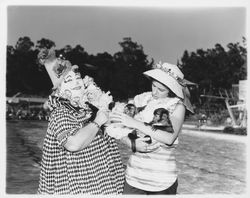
172,104
65,124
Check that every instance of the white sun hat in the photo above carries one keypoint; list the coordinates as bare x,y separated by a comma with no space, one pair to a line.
169,75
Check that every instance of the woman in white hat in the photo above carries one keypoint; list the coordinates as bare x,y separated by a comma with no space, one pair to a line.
77,157
151,169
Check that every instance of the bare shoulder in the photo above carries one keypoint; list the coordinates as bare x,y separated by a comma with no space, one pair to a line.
179,110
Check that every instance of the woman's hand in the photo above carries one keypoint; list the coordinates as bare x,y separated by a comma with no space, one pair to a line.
143,147
123,119
101,117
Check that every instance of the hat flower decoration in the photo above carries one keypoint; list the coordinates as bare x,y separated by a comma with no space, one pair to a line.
169,75
165,67
94,95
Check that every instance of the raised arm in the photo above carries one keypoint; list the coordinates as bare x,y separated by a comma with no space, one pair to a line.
86,134
69,133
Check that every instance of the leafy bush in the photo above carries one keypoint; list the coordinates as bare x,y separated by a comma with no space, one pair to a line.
219,118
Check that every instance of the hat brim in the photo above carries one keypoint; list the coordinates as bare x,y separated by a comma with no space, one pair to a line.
166,80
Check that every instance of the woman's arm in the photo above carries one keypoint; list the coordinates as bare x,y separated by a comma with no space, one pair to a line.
140,144
177,119
86,134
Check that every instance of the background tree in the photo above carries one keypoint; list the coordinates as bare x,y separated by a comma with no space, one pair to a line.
11,72
45,43
130,63
215,68
23,74
77,56
102,70
24,44
19,66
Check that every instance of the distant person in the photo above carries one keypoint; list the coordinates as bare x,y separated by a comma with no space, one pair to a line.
151,169
77,157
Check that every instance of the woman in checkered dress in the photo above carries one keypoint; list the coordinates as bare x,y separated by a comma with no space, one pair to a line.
77,157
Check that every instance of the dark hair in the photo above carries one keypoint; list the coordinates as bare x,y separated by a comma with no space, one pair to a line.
161,111
171,94
130,109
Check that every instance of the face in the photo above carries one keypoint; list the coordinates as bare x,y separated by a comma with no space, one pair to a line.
159,90
165,119
161,117
156,118
72,87
130,110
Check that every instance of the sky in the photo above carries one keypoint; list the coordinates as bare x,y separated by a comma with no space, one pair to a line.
164,32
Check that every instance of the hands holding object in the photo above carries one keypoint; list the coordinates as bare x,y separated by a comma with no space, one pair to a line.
122,118
143,144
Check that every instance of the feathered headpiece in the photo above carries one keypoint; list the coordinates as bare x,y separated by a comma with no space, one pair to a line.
57,68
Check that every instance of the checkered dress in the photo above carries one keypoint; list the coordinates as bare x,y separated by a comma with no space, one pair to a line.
97,169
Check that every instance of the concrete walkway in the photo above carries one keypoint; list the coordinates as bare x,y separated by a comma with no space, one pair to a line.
221,136
208,162
203,127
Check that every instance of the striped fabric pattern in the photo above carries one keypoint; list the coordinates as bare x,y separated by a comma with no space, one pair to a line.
155,171
97,169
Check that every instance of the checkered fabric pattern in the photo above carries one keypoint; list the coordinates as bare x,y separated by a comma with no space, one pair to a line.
97,169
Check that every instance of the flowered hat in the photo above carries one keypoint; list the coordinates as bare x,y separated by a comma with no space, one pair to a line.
169,75
57,68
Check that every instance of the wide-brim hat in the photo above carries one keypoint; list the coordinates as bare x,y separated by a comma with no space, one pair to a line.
169,75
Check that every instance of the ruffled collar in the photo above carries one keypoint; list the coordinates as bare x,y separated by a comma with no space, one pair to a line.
56,102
